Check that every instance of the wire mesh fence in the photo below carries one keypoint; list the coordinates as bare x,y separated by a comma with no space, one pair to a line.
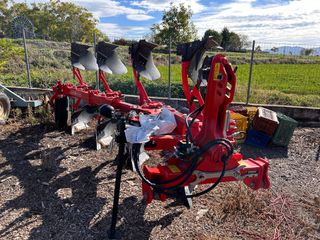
282,73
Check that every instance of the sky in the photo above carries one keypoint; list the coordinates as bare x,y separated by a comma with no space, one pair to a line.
267,21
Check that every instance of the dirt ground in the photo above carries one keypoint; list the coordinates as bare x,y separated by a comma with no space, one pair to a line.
74,201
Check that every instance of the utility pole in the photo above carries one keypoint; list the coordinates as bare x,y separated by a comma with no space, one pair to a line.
26,58
169,68
95,53
250,72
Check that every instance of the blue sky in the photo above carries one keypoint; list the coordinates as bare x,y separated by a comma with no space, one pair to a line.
271,21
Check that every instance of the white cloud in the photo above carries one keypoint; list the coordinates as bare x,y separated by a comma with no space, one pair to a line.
139,17
111,8
156,5
114,31
297,21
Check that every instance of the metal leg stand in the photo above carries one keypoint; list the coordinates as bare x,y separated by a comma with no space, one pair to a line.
121,139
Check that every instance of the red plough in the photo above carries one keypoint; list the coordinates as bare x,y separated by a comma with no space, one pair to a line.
202,142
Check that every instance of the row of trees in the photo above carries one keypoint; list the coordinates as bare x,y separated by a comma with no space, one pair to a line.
177,25
228,40
55,20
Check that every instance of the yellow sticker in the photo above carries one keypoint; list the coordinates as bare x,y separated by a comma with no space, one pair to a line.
174,168
245,163
216,71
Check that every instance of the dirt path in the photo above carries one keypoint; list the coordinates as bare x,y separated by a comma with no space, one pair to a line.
74,202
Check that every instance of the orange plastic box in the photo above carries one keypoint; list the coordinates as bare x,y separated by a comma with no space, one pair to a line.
265,121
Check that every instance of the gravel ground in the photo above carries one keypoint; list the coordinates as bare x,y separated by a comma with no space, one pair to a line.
75,200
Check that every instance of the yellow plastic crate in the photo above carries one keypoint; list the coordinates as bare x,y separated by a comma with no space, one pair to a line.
251,111
241,121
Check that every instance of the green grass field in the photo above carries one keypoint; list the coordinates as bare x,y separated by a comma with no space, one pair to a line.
297,84
288,78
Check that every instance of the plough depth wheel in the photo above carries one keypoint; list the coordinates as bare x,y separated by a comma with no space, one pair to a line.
4,108
61,112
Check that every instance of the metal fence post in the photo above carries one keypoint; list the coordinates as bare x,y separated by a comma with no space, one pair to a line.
95,53
250,72
26,58
169,69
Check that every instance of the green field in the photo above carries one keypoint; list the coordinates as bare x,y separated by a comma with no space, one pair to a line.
296,84
276,79
288,78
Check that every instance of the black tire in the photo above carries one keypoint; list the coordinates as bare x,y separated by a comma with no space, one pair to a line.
5,107
61,112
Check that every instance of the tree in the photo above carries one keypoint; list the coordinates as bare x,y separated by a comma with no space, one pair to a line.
3,7
230,40
56,20
258,49
176,24
214,34
307,52
225,38
234,42
244,41
120,41
3,13
15,10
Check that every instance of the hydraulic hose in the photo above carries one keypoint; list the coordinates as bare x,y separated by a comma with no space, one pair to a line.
188,172
188,125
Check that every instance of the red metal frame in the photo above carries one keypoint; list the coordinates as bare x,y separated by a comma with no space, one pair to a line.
144,99
143,96
147,106
193,94
76,73
220,92
95,98
108,90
